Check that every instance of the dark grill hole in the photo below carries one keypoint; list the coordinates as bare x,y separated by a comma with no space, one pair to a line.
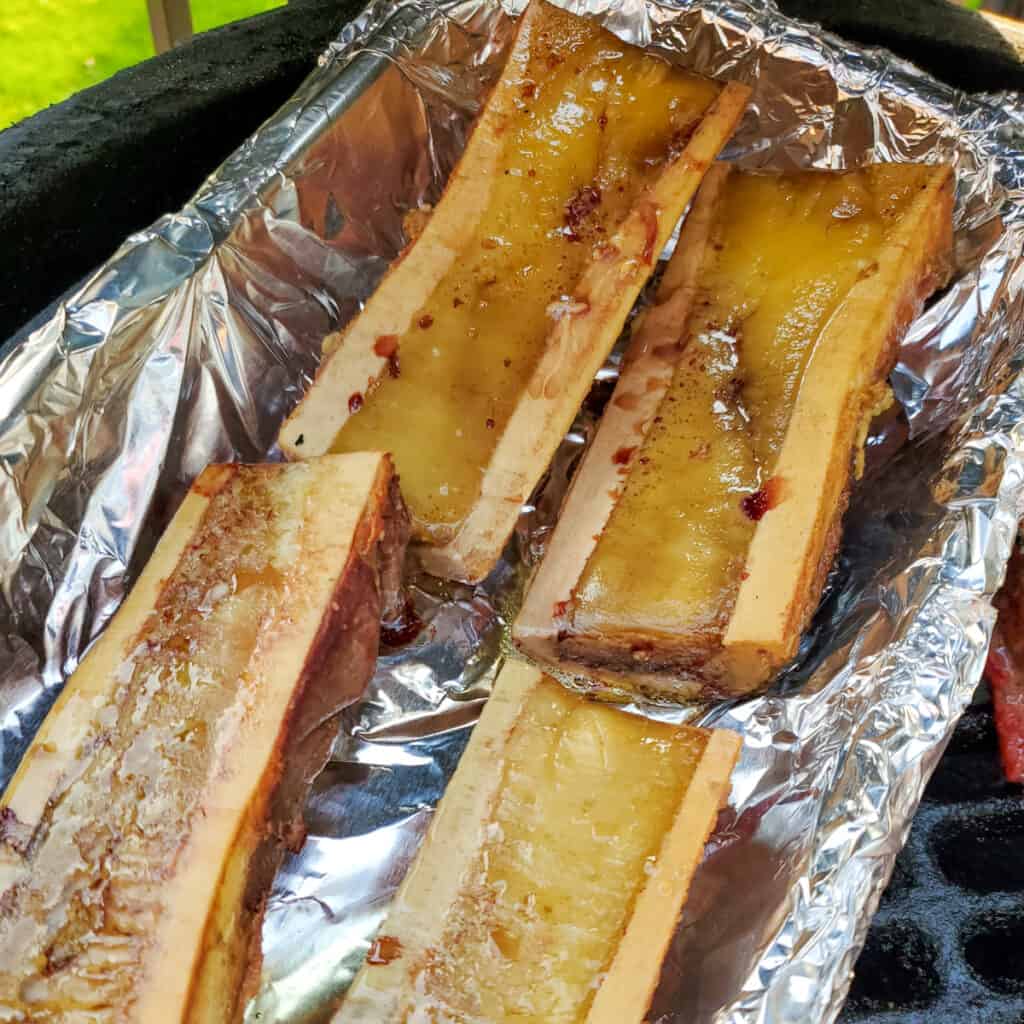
993,950
965,777
896,968
982,852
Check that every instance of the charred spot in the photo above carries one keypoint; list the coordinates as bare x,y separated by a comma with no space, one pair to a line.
602,121
506,362
301,439
531,173
456,302
623,455
490,423
580,209
425,321
394,367
355,402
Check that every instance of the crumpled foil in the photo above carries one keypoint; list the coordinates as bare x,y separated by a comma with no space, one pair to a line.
191,343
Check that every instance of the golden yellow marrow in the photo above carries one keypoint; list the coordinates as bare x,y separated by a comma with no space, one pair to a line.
693,546
143,828
471,359
553,874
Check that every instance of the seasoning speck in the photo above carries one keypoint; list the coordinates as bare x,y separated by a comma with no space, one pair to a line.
386,345
761,501
383,950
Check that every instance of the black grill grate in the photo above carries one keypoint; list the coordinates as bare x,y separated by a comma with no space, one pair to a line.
947,945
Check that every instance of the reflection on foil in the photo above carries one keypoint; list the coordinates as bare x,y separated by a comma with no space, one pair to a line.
195,339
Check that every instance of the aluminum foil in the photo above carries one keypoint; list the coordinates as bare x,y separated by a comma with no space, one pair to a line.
194,339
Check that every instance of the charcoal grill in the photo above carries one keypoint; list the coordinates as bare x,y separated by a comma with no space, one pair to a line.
947,945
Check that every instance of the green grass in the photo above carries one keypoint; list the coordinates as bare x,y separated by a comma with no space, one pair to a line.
50,49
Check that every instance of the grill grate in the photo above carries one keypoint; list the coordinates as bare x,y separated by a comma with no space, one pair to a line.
947,944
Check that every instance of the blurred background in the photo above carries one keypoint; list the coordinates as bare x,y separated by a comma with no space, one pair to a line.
50,49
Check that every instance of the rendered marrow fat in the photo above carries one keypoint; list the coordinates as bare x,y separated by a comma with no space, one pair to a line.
554,872
473,355
783,254
592,127
587,794
162,757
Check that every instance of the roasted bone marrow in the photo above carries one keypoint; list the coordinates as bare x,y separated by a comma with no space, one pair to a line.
553,875
473,355
693,545
140,835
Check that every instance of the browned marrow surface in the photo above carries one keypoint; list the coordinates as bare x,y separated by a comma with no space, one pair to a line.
554,872
143,828
693,545
471,359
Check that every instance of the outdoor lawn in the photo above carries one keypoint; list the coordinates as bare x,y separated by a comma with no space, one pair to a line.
50,49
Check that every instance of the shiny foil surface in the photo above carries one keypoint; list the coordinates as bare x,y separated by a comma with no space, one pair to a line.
191,343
